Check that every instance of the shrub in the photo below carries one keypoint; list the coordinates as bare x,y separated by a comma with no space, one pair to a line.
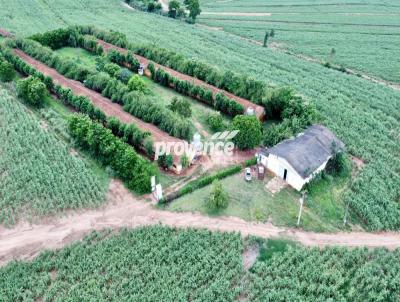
181,106
112,69
7,71
165,161
32,90
184,161
250,131
136,83
218,198
215,121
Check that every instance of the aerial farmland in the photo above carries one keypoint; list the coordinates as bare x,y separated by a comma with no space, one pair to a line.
199,150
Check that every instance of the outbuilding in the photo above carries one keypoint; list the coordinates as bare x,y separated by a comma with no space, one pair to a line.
299,159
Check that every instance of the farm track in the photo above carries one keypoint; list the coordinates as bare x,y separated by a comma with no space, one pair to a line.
25,240
109,108
259,110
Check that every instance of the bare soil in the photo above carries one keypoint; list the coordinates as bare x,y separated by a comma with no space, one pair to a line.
25,240
259,110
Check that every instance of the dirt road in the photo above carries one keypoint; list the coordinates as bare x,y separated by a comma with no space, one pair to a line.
109,108
25,241
259,110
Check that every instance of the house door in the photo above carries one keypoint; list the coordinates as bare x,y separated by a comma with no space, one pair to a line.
284,174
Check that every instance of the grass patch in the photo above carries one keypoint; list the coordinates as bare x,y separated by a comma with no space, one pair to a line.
253,202
200,111
270,247
78,55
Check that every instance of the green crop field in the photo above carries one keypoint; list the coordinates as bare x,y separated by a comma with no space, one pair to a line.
38,173
363,114
163,264
365,35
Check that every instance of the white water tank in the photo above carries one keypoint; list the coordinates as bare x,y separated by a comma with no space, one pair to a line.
250,111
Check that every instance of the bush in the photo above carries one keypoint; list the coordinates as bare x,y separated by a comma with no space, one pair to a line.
218,198
215,121
250,131
136,83
338,165
184,161
32,90
7,71
165,161
181,106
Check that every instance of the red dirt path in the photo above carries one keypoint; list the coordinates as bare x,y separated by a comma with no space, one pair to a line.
109,108
259,110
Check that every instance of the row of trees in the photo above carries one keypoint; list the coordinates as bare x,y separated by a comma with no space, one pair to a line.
239,85
112,88
219,102
113,152
129,133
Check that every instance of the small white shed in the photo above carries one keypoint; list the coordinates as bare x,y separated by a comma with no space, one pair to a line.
299,159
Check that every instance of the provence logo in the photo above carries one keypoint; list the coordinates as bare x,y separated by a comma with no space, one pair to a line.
220,142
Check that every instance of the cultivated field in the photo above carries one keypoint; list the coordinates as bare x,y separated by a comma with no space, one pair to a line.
365,35
39,173
363,114
158,263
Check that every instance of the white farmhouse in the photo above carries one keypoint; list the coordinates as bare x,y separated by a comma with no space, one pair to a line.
299,159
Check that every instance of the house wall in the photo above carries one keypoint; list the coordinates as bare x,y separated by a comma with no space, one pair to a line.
277,165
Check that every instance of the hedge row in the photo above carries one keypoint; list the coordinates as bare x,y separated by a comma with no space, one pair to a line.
239,85
141,106
113,152
128,133
112,88
220,102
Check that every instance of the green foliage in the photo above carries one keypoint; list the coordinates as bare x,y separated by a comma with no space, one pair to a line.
250,131
194,8
218,198
7,71
173,7
294,113
204,181
339,165
239,85
109,150
331,274
228,106
32,90
215,121
184,161
165,161
39,175
112,69
54,39
181,106
144,264
136,83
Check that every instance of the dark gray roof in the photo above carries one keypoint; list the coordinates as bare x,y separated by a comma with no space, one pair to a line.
309,150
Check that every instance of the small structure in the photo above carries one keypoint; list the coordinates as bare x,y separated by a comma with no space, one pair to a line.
260,172
299,159
141,69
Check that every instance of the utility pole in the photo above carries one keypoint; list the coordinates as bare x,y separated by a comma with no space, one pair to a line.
302,198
